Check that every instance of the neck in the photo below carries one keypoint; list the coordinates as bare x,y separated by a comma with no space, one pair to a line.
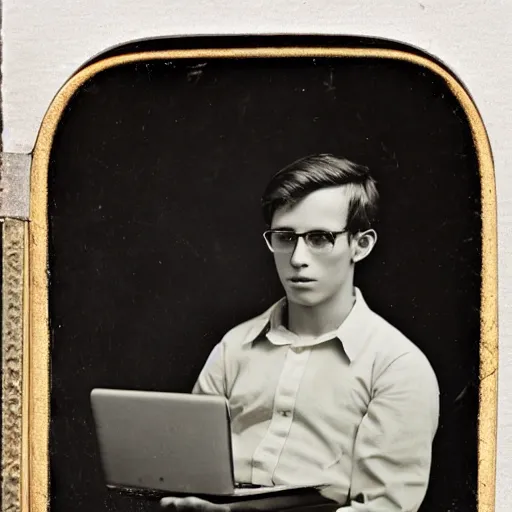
313,321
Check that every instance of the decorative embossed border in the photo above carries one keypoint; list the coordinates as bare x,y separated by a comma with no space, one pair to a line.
26,414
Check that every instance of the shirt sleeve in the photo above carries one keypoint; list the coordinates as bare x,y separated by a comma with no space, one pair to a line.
212,379
393,445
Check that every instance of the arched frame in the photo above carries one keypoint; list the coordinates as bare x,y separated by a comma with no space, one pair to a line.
34,456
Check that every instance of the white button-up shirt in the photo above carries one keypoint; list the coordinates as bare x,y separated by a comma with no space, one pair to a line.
355,409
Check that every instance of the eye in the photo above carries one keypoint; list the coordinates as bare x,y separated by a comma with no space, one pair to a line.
319,239
284,237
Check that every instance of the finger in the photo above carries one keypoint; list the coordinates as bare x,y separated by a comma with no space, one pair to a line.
169,503
193,504
190,504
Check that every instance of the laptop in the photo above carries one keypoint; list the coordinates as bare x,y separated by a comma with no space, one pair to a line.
176,443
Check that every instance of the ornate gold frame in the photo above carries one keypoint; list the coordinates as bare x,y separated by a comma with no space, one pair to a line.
26,415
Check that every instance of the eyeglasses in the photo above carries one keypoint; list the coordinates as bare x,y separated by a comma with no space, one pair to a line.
283,241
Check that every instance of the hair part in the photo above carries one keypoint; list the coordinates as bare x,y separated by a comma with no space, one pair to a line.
306,175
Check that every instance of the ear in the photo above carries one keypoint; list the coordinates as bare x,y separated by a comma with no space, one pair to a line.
362,244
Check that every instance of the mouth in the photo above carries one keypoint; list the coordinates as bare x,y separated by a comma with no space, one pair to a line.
297,280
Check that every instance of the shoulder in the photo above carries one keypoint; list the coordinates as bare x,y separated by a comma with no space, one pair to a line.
397,354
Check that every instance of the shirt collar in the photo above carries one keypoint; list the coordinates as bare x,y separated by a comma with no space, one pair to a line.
352,333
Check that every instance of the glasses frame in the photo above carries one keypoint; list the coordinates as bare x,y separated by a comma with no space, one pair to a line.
332,234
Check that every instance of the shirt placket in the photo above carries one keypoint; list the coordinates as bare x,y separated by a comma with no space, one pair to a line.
267,454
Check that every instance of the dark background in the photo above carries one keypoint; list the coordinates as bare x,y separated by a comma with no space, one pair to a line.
155,234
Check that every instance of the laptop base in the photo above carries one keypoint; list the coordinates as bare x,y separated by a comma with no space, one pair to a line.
290,498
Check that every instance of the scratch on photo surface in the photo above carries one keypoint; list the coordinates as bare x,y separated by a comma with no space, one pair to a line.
148,69
196,72
391,154
462,394
243,105
330,82
185,242
490,374
100,162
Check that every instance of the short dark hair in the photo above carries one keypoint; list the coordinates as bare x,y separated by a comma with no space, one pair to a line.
314,172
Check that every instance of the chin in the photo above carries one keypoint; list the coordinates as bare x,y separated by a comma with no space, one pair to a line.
304,299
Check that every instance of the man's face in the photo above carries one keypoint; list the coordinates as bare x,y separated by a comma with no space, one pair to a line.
325,274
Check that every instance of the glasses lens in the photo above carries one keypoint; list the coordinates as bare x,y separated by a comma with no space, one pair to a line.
282,241
320,241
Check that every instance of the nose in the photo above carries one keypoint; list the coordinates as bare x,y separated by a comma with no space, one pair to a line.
300,254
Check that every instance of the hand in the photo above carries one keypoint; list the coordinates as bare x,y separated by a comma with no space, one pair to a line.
191,504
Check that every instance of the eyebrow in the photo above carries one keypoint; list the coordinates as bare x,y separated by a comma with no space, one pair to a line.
283,228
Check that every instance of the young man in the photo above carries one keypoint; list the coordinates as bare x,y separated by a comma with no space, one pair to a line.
321,389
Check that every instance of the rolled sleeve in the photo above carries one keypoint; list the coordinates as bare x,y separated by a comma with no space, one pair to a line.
212,379
393,446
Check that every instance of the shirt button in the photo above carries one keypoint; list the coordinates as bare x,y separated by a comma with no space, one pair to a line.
284,413
298,350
